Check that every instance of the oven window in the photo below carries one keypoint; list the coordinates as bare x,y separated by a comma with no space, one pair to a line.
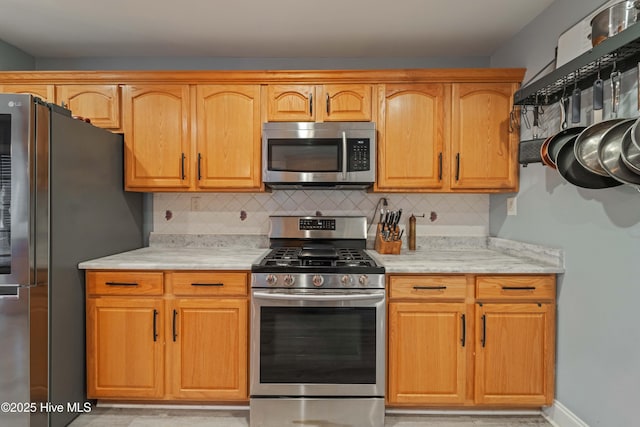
318,345
309,155
5,194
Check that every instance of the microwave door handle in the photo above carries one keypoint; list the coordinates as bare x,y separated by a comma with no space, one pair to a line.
344,155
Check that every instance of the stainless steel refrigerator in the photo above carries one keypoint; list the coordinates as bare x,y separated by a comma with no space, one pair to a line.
62,201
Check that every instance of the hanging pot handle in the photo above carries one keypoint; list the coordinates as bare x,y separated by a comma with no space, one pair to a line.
615,91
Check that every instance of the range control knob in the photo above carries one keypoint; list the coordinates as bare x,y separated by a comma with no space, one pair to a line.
289,280
363,280
317,280
272,280
346,280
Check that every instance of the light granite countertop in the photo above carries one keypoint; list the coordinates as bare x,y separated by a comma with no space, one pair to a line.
434,255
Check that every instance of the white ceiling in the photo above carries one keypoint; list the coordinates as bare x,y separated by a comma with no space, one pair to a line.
255,28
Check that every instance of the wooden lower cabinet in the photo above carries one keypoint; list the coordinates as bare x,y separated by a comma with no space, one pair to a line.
208,349
466,340
125,353
187,343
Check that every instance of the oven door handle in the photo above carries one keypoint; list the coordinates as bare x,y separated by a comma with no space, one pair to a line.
347,296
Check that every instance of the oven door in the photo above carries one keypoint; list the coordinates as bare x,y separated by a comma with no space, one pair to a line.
318,343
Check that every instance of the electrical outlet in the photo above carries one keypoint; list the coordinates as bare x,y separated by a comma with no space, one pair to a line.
195,204
512,206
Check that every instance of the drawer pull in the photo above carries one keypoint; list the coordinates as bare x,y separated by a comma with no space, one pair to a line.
518,288
207,284
429,288
155,325
484,330
464,330
120,284
175,332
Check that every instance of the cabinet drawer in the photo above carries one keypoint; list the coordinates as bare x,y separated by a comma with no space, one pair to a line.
124,283
515,288
428,287
209,283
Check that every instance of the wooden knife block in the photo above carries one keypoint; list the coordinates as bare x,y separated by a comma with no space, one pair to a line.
384,247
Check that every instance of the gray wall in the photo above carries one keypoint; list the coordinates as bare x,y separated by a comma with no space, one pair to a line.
191,63
598,345
12,58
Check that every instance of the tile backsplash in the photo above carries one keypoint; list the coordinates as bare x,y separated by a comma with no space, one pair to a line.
248,213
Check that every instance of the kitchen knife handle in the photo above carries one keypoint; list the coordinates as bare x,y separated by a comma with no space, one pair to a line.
207,284
182,166
311,104
175,332
457,166
199,169
463,339
121,284
155,325
440,167
483,340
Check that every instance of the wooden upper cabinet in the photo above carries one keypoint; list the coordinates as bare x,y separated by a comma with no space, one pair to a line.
320,103
483,154
344,103
158,132
43,91
228,137
291,103
412,134
99,103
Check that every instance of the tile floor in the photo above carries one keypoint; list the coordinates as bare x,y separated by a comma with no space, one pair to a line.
143,417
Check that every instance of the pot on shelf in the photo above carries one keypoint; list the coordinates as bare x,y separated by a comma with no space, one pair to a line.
613,20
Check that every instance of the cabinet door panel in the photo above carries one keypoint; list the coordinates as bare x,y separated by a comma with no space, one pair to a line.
515,351
228,137
412,137
156,124
42,91
99,103
291,103
427,355
124,360
483,149
346,103
209,351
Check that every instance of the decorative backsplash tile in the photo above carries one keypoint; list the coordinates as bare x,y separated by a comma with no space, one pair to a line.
248,213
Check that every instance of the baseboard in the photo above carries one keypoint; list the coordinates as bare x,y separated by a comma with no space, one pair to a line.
560,416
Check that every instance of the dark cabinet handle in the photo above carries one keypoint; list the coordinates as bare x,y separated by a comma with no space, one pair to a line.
207,284
120,284
463,340
440,167
182,167
458,167
484,330
429,288
199,169
518,288
155,325
328,102
311,104
175,333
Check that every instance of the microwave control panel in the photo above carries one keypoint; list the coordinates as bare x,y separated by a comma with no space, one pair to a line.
359,155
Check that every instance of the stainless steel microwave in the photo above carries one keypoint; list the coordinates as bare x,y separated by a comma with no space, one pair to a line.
308,155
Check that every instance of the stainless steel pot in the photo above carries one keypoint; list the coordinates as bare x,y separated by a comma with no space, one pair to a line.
613,20
575,173
586,145
609,155
630,155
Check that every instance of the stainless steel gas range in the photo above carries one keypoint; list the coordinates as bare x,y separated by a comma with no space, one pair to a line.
318,326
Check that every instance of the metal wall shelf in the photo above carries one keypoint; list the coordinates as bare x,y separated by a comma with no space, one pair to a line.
623,50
